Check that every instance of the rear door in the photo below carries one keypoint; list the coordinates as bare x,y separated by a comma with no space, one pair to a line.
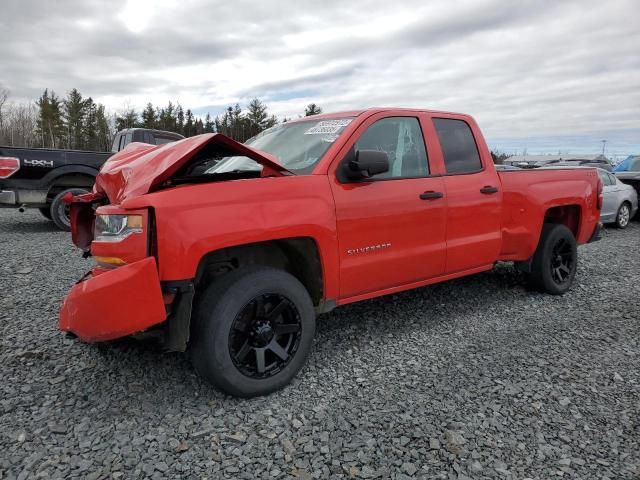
474,198
391,228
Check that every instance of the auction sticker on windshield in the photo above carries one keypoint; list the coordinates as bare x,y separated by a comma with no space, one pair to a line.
328,127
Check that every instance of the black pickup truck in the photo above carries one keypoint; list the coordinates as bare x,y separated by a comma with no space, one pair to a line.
40,177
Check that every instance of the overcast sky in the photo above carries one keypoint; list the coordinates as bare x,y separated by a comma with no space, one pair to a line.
526,70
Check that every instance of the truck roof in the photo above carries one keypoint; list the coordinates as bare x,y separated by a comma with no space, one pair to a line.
372,110
152,130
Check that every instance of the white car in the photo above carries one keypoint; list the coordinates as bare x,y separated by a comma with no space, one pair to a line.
620,200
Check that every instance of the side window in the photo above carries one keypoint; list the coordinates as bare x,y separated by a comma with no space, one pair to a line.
458,146
163,140
128,139
606,181
401,138
612,179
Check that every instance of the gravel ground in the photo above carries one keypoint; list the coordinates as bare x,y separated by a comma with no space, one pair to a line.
475,378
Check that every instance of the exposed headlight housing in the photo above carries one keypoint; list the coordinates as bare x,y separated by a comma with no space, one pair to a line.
115,228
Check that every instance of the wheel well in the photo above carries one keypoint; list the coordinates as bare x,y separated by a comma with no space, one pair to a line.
68,181
298,256
568,215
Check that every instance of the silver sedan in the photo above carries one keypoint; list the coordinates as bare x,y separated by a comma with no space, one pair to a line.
620,200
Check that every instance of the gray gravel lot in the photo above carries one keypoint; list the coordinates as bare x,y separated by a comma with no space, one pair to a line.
475,378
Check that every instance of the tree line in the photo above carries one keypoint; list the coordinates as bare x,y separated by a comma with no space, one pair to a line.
77,122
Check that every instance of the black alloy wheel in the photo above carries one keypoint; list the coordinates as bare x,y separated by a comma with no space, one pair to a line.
265,336
252,330
555,261
562,260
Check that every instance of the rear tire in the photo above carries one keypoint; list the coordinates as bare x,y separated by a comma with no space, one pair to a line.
555,261
46,212
253,331
59,210
623,216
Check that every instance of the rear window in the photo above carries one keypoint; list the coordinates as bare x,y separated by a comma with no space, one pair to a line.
458,146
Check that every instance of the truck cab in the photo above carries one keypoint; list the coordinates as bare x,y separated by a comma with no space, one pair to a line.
143,135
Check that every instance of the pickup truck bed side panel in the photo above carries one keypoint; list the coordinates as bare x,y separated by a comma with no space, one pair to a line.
194,220
529,194
40,168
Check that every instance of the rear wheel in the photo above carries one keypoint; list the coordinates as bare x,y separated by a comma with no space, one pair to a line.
253,331
59,209
555,260
46,212
623,216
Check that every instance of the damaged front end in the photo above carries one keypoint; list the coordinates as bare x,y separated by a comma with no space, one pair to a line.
123,294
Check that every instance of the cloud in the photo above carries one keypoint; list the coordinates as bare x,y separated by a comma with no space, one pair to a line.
529,68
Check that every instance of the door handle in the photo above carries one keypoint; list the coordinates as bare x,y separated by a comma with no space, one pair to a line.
488,190
431,195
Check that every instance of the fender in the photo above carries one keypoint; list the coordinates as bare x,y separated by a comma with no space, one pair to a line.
195,220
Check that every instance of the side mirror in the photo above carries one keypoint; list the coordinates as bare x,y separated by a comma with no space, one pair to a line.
366,164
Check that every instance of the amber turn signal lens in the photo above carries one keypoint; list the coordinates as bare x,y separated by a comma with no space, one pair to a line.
110,261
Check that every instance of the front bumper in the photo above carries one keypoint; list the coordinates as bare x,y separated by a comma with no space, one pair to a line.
7,197
115,303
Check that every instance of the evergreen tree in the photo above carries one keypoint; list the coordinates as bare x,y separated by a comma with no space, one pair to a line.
168,119
198,127
89,136
103,131
149,119
189,130
257,116
312,109
237,124
74,113
180,121
209,126
50,126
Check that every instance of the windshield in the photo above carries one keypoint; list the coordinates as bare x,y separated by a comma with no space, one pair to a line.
298,146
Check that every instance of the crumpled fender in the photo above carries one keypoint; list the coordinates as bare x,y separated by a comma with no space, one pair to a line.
140,167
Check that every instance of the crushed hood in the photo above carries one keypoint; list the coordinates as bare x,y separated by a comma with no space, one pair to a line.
139,168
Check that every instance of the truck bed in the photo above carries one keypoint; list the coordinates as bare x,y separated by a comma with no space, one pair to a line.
528,194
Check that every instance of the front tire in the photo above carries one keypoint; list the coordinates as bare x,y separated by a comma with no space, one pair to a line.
555,261
253,331
623,216
60,209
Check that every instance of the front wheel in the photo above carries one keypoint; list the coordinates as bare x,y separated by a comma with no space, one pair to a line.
253,331
623,216
60,209
555,260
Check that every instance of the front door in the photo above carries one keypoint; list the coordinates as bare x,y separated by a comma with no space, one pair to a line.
391,227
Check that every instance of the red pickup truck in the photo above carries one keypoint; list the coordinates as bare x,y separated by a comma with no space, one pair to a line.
229,251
